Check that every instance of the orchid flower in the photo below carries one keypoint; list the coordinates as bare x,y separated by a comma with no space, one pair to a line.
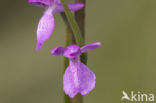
46,24
78,78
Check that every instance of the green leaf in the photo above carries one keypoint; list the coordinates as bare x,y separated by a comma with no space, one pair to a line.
73,24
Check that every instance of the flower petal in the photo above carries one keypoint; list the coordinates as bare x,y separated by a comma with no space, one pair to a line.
75,6
91,46
78,78
45,28
86,79
58,51
72,7
42,3
57,1
72,51
69,82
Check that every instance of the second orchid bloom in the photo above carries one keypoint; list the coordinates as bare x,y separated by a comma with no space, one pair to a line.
78,78
47,24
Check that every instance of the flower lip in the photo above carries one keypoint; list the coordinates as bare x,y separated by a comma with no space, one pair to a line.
78,78
72,51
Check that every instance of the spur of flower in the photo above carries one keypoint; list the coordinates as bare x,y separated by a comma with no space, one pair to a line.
78,78
46,24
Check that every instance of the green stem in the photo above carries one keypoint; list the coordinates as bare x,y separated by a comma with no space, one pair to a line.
75,35
73,24
66,61
80,19
69,40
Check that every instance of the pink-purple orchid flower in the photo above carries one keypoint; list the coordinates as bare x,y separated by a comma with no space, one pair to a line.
46,24
78,78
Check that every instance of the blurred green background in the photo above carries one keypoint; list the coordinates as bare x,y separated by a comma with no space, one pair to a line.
125,61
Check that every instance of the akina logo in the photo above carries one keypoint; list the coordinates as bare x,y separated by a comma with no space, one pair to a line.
137,96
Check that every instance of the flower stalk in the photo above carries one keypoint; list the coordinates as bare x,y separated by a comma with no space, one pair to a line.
69,41
80,19
73,24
